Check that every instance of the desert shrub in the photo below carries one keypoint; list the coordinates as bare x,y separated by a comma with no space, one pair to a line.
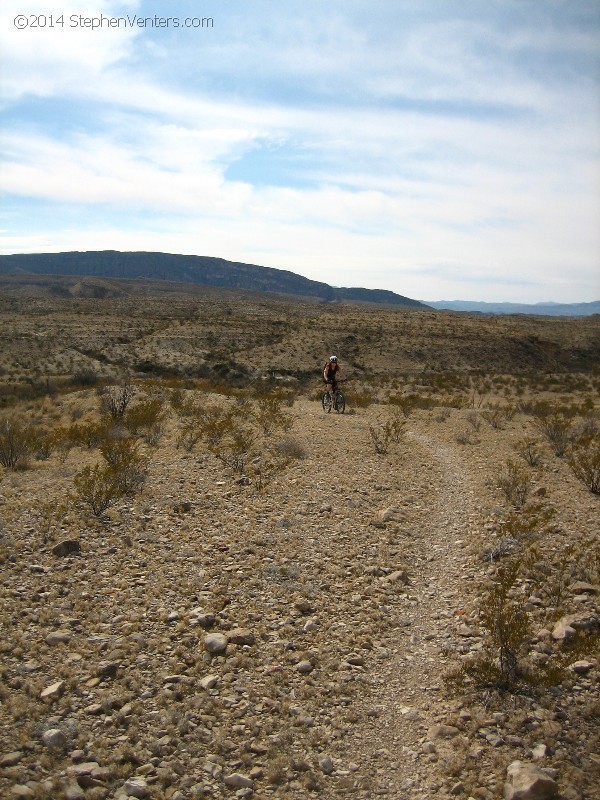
114,400
290,448
507,630
16,442
235,447
467,437
147,417
86,434
177,398
529,450
85,376
126,462
380,437
360,398
98,488
474,420
515,483
496,414
52,514
409,402
269,415
44,442
519,527
556,428
584,460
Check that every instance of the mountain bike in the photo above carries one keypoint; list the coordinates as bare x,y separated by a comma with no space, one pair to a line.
335,400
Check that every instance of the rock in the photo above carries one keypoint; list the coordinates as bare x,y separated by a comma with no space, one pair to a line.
528,782
539,751
22,791
304,606
209,681
580,587
241,636
68,547
391,515
54,738
238,781
304,667
136,787
581,667
53,692
204,620
84,769
215,643
398,576
11,759
58,637
326,765
563,631
108,669
442,732
73,791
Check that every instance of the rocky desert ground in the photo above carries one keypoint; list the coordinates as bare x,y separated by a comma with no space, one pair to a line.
213,588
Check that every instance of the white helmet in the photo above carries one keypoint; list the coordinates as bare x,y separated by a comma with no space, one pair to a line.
333,358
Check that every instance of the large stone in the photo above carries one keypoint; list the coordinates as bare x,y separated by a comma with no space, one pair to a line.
53,692
442,732
567,627
215,643
528,782
136,787
238,781
68,547
241,636
22,791
58,637
54,738
11,759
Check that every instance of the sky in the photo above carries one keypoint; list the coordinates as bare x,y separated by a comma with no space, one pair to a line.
441,149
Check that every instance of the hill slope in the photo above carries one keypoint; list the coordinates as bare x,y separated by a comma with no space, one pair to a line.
191,269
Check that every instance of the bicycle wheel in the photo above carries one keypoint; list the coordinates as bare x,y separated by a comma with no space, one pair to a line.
340,402
326,401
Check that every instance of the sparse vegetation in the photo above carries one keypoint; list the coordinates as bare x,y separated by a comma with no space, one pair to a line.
335,575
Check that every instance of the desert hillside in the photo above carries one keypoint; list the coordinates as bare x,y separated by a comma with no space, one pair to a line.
211,587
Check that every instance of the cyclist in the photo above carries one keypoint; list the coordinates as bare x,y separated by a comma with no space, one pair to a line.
332,372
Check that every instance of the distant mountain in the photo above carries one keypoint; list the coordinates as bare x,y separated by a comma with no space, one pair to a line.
539,309
191,269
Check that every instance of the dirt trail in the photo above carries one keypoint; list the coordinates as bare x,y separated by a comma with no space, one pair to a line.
427,489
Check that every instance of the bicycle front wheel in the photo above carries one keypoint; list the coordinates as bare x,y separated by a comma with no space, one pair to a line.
326,401
340,403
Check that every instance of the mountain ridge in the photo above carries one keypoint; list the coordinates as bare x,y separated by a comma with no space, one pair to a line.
544,309
206,270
